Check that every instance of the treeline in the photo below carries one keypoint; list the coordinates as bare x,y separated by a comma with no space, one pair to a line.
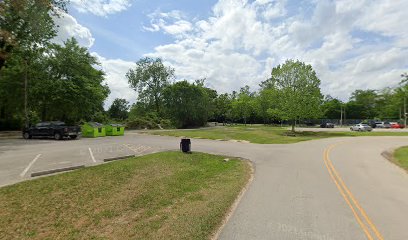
291,94
41,80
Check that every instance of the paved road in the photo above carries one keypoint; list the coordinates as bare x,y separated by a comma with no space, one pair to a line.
325,189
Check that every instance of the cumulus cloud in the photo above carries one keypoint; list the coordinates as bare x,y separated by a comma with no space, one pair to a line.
115,77
68,27
350,45
101,7
172,23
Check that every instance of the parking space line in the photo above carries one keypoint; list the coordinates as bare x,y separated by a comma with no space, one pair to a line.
131,149
30,165
92,156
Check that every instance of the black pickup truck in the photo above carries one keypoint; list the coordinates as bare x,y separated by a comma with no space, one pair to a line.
57,130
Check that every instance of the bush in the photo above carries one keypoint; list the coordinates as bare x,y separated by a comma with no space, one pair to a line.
166,123
140,123
148,122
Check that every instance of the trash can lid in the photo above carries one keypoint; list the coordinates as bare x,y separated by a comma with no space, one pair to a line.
115,125
95,124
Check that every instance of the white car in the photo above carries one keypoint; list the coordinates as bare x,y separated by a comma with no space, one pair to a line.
361,128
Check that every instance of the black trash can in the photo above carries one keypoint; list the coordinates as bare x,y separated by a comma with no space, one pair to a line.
185,145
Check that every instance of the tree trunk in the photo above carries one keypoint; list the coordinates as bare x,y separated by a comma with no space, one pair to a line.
25,93
293,126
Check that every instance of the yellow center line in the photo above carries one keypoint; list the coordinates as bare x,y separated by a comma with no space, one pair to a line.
353,199
360,222
346,193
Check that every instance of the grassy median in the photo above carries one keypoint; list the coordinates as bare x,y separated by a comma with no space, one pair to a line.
166,195
265,134
401,157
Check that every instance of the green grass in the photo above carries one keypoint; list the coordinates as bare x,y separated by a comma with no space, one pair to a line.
401,157
265,134
166,195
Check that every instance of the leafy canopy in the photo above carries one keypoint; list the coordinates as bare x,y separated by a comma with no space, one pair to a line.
297,89
149,79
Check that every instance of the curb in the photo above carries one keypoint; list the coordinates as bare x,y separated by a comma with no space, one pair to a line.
118,158
235,204
47,172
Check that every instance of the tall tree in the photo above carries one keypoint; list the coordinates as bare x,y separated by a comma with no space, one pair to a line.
298,91
366,102
119,109
332,108
222,107
243,105
75,89
27,25
149,79
187,104
26,28
265,104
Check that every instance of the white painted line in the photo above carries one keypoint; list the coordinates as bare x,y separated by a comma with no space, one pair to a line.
92,156
133,150
30,165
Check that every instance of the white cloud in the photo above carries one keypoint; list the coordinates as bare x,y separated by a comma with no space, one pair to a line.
115,77
242,40
69,27
172,23
101,7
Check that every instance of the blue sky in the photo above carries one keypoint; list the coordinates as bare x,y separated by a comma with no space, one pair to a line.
122,35
350,44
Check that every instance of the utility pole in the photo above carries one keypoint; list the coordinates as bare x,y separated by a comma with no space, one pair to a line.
341,115
405,110
25,93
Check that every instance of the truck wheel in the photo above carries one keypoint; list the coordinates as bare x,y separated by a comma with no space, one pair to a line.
26,135
73,137
57,136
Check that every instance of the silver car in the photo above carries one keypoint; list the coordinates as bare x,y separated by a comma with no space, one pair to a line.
382,125
361,128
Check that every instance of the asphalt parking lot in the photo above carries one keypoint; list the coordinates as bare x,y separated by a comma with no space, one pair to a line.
20,158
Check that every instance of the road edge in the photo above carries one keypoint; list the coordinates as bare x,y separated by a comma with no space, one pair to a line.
389,155
238,199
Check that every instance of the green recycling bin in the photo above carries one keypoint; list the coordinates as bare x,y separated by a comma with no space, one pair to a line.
115,130
93,130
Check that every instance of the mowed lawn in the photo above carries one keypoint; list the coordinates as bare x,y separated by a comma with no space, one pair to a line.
401,157
264,134
167,195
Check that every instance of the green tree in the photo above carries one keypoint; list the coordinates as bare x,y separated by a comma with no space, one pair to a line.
187,104
297,89
75,89
27,25
243,105
222,107
331,108
26,28
364,104
119,109
149,79
265,104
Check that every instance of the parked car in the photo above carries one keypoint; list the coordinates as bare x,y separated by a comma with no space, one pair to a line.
361,128
397,125
57,130
382,125
327,125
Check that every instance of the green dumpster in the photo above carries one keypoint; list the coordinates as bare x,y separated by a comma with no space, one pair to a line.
93,130
115,130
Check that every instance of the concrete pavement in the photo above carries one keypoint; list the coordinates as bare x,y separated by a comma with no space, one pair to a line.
293,195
